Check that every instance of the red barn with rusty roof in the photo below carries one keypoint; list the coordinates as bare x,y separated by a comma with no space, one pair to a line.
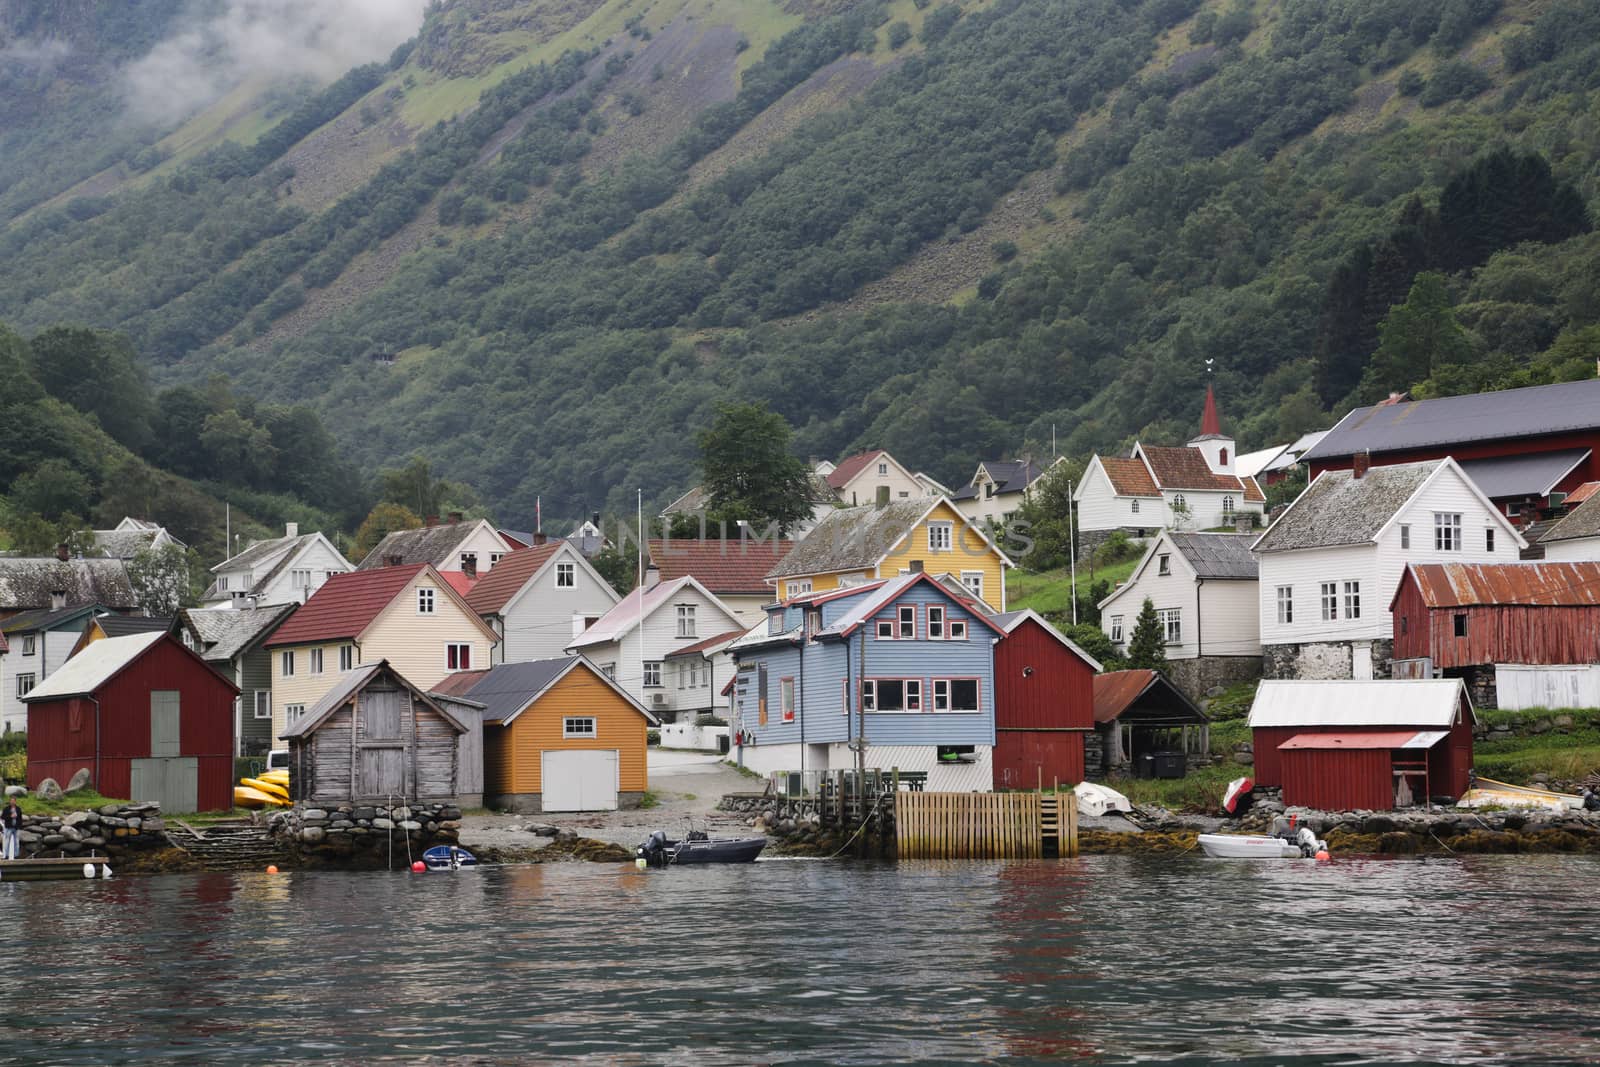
1043,703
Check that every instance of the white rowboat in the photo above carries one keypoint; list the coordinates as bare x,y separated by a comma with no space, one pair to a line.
1099,799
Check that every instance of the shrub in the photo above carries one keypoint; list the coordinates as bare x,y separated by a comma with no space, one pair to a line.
652,737
710,720
1004,251
899,34
1455,80
1411,83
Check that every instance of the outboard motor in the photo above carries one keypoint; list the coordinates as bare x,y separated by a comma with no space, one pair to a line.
1310,846
654,850
1591,800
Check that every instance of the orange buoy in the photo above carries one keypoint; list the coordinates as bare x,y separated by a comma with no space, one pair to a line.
1323,855
272,868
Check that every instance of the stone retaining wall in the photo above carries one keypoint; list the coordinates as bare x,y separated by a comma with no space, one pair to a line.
358,835
1199,676
114,830
797,827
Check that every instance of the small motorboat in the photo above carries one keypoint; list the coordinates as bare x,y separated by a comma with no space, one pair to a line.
1097,800
448,858
1284,843
698,847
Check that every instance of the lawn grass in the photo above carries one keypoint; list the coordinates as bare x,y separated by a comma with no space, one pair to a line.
82,800
1051,591
1199,790
1563,757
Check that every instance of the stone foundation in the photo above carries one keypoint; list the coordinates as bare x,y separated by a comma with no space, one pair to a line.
1324,660
362,835
1197,677
533,803
1480,685
114,830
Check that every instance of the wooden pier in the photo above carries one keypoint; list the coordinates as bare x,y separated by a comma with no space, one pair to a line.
985,825
53,869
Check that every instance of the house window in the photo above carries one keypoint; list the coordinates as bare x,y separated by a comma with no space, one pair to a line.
293,712
262,707
29,641
315,656
686,620
1352,600
940,536
609,670
786,698
347,657
1222,457
886,629
1178,502
458,656
1135,506
892,694
1405,535
958,629
286,664
813,622
1285,605
579,726
1461,625
883,469
973,580
1330,601
24,683
1488,539
469,562
955,694
908,623
1227,501
425,601
913,691
566,575
300,579
869,695
495,557
1447,531
1116,629
1172,625
1163,564
652,674
222,583
799,588
935,623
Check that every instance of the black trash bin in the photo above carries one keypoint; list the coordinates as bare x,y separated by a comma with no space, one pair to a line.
1170,764
723,743
1144,766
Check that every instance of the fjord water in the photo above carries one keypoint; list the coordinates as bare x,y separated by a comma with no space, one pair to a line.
1466,959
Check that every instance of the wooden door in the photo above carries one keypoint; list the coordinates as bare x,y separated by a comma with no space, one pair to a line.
382,772
165,723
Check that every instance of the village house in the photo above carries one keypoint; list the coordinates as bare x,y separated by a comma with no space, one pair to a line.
50,583
1145,727
904,663
147,718
131,536
408,615
1289,462
1576,535
558,735
632,642
1518,634
1196,487
375,738
1331,562
233,642
873,477
538,599
1043,703
853,546
41,641
734,570
1525,448
452,547
998,489
1353,745
1205,591
281,570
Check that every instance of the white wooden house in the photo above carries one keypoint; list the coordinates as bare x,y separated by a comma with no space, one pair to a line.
538,599
1576,537
633,641
1331,563
872,478
999,488
282,570
455,546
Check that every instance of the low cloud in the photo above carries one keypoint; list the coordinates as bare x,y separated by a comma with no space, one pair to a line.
36,56
278,39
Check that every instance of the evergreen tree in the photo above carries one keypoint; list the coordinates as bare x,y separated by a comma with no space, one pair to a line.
1147,648
1419,338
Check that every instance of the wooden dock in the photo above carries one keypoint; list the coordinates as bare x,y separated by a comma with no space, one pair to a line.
985,825
56,868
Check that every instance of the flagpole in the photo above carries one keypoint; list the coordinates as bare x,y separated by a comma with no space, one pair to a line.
1072,553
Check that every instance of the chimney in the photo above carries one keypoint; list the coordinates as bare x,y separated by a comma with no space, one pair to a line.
1360,464
58,599
433,520
469,566
291,529
393,561
596,520
652,576
916,566
455,517
540,537
63,553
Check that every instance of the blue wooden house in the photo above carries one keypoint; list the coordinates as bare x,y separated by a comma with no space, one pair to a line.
907,663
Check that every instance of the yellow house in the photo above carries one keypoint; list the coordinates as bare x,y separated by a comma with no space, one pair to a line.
558,735
855,545
407,615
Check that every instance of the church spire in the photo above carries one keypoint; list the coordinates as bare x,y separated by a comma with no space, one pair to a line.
1209,423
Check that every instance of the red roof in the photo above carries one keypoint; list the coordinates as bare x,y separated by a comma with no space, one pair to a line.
851,466
461,583
1537,583
1129,477
345,605
458,683
732,567
1209,423
1367,739
1114,692
1185,468
1252,490
506,578
1582,493
701,646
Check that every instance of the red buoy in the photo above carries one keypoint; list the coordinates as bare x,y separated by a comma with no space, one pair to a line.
418,867
1323,855
271,869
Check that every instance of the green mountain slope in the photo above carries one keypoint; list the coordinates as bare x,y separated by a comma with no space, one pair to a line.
570,228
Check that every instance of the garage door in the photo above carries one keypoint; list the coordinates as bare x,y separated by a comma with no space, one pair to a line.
579,781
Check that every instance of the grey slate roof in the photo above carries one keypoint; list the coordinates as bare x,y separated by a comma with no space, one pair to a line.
123,544
1532,412
1217,555
353,681
1581,521
1339,509
28,582
288,547
225,633
254,553
123,625
426,544
1009,475
1527,475
852,538
46,618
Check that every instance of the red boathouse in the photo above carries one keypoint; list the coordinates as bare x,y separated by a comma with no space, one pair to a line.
148,718
1044,703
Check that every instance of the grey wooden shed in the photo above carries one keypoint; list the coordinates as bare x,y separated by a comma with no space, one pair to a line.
375,736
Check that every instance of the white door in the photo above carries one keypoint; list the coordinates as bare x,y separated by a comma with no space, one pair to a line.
579,780
1361,662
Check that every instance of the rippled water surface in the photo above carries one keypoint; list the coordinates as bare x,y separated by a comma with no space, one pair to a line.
1106,958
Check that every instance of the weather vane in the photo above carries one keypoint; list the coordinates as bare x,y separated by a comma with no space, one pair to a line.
1208,365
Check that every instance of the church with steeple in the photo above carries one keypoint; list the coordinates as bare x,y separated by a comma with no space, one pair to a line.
1190,487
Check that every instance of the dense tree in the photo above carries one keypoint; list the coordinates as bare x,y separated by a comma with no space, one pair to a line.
750,472
1147,645
160,579
1419,338
98,373
54,490
1042,520
383,520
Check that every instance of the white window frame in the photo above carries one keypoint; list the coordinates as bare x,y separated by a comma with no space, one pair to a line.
609,670
427,601
1116,629
906,624
1352,600
25,682
1405,535
1171,620
300,578
461,653
941,536
30,644
1447,531
580,727
973,580
686,621
222,583
1285,605
261,705
286,663
495,557
1227,504
652,674
469,558
798,587
292,712
1330,601
314,660
935,622
944,696
883,470
347,657
958,630
566,574
1163,564
884,629
786,699
1134,506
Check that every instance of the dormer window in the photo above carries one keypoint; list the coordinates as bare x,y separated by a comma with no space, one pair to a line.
774,623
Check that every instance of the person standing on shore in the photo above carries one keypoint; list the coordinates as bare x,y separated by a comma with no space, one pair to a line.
11,823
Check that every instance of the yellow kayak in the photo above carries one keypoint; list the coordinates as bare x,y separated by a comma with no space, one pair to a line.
246,797
263,786
280,776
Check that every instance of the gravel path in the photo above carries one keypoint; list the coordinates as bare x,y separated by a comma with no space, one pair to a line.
687,785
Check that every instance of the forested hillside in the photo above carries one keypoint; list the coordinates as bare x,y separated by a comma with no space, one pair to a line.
544,238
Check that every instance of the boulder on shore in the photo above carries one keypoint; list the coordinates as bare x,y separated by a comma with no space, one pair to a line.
49,789
82,779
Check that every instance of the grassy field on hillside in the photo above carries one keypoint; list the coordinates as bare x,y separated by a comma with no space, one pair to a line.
1051,591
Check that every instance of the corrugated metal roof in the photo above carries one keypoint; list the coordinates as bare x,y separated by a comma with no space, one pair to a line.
1253,463
1543,583
1341,509
1217,555
1526,475
1582,493
710,644
504,692
1367,739
1292,453
1532,412
1582,521
1116,690
93,667
1389,702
